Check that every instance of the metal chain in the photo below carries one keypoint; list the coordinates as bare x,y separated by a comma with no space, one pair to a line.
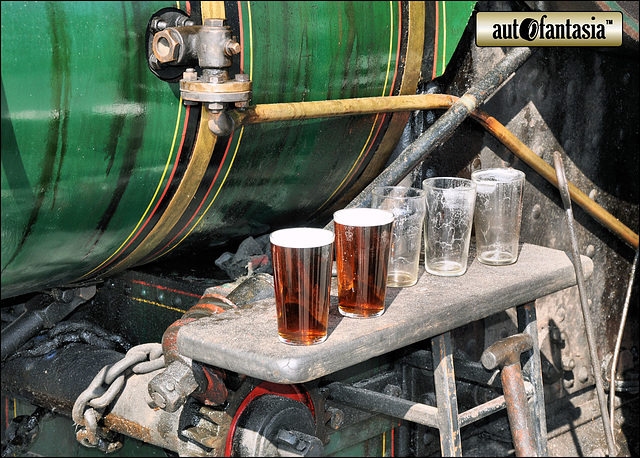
105,387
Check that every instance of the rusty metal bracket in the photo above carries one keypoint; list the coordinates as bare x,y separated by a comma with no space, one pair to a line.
184,377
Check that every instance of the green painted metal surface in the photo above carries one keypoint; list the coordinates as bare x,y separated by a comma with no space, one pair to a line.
86,136
451,20
93,143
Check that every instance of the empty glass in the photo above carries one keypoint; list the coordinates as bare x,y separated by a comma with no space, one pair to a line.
408,207
498,214
447,227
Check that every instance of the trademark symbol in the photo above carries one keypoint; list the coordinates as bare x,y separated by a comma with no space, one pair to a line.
609,22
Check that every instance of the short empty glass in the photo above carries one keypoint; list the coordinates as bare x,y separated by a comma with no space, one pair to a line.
408,207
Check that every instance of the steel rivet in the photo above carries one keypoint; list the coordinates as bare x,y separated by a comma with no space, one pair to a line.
536,211
591,250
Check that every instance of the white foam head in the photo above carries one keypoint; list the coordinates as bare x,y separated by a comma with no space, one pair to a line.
363,217
301,237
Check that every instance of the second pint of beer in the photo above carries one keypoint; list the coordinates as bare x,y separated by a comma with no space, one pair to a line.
363,244
302,259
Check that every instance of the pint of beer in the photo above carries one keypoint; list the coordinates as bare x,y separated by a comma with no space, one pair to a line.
302,259
363,244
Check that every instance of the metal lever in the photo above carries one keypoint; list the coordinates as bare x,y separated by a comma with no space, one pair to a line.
586,315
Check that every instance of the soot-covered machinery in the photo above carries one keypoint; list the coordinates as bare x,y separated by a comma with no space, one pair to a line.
147,150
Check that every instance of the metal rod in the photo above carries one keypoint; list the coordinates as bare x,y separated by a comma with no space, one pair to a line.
616,351
382,403
483,410
445,125
446,397
534,161
586,315
344,107
528,324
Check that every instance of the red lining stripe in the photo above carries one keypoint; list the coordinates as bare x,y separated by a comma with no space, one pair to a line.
435,46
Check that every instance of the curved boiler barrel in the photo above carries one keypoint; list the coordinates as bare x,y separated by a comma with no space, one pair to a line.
104,167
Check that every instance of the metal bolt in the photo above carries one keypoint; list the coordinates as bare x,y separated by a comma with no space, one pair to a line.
166,45
337,418
158,400
568,363
214,106
170,385
190,74
568,382
158,24
392,390
243,77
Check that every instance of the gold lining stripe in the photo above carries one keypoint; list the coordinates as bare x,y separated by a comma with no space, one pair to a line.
375,121
202,151
158,304
408,86
155,194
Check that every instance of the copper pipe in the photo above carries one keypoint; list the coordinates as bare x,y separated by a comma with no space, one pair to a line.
344,107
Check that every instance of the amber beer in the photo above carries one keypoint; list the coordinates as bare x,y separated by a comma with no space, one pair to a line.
302,259
363,244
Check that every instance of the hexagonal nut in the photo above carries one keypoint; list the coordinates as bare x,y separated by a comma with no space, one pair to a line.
166,45
170,389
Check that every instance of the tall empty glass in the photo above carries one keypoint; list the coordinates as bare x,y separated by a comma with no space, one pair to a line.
447,227
498,214
302,260
408,207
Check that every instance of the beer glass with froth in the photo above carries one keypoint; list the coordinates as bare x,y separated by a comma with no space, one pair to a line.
302,260
363,245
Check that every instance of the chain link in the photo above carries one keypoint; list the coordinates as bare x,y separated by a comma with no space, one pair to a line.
104,388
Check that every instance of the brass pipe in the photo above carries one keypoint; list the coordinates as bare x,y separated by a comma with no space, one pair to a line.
344,107
333,108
